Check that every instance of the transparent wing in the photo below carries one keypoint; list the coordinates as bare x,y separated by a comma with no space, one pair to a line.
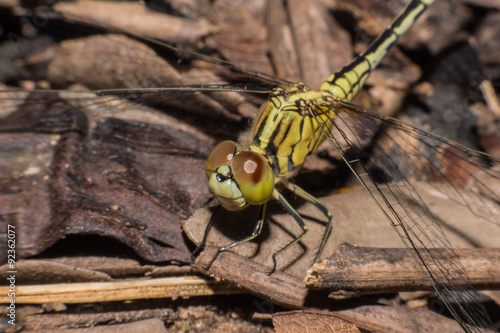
115,65
457,171
206,99
386,169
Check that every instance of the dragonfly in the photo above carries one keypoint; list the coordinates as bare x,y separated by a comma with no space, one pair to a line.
306,118
293,124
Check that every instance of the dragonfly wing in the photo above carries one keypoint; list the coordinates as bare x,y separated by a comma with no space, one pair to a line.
403,152
387,177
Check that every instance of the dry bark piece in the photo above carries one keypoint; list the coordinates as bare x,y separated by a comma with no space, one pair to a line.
44,271
112,266
353,271
115,179
187,315
126,321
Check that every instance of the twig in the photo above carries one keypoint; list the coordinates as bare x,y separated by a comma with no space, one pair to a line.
116,291
490,96
279,287
352,270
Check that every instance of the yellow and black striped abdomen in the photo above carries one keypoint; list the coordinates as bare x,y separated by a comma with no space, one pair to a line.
288,130
346,83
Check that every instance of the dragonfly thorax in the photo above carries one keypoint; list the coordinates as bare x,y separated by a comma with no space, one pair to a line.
288,128
238,177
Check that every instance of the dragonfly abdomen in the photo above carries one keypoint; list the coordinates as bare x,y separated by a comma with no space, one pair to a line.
346,83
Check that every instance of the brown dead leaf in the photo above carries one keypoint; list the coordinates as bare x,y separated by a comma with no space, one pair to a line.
371,318
310,322
379,318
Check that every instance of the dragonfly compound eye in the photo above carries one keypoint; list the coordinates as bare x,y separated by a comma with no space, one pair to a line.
254,177
222,154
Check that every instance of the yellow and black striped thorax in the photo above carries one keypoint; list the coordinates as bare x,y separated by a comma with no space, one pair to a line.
288,128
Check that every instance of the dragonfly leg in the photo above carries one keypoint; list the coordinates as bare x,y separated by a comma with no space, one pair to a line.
303,194
205,235
297,218
256,231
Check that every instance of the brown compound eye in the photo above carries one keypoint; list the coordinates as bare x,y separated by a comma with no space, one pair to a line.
221,155
254,177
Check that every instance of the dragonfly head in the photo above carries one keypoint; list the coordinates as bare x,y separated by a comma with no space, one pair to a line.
239,178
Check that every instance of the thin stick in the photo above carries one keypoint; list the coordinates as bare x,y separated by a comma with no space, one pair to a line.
280,288
353,271
116,291
490,96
